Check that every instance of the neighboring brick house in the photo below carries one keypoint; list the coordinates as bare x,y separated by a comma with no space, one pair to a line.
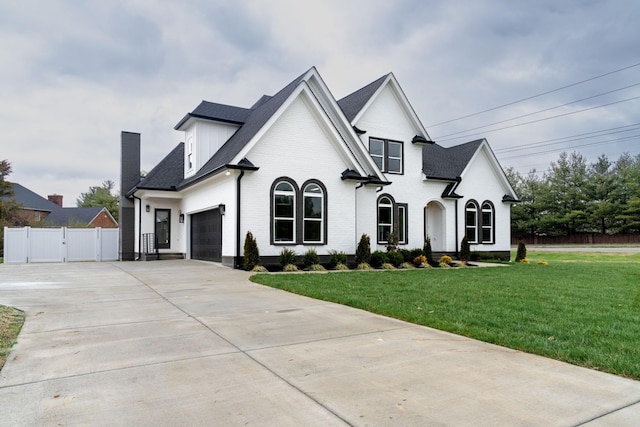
38,211
302,170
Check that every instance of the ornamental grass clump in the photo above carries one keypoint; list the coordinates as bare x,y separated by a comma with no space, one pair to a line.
388,266
287,257
364,266
316,267
310,258
341,267
336,258
406,266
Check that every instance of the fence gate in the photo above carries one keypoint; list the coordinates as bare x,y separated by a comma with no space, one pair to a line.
24,245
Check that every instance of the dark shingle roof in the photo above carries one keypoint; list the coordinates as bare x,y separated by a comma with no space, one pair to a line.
167,174
219,112
69,216
353,103
447,163
263,111
30,200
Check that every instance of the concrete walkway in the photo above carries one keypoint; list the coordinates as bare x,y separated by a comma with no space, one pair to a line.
190,343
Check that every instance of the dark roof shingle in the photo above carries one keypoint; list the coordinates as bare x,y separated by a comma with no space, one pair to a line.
447,163
353,103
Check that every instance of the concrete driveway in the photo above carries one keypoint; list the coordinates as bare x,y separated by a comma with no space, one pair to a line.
191,343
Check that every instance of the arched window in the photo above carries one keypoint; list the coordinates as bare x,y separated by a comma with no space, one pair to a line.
284,212
471,221
385,218
313,213
488,215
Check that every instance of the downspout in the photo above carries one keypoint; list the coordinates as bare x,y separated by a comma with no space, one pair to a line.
456,210
238,194
355,228
139,227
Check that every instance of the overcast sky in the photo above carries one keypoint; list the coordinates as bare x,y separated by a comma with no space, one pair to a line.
74,74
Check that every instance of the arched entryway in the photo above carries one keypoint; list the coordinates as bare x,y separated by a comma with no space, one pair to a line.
434,225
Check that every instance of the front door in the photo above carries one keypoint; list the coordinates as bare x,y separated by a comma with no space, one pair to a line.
434,225
163,228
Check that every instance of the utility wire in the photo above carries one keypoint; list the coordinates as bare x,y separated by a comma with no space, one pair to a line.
541,120
627,138
539,111
535,96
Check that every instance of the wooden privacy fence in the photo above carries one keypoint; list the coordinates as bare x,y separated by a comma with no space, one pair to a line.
25,245
580,239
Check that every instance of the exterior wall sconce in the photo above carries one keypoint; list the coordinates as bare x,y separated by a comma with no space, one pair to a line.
148,208
222,209
181,218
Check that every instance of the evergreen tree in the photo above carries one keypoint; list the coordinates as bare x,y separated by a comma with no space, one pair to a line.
101,196
251,252
363,252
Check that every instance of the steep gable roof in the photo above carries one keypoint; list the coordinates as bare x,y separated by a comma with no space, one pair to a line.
218,112
32,201
66,216
353,103
447,163
168,174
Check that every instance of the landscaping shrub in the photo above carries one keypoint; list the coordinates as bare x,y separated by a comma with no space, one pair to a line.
395,258
445,259
378,258
522,251
416,252
316,267
290,267
337,257
427,250
406,254
465,249
419,260
363,252
388,266
406,266
310,258
392,242
251,252
341,267
364,266
287,257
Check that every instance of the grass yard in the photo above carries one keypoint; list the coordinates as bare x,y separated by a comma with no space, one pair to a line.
582,308
11,321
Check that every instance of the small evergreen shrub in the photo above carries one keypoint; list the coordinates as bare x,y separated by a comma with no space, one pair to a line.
395,258
388,266
407,254
522,251
310,258
415,253
465,250
406,266
251,252
287,256
363,252
378,258
337,257
427,250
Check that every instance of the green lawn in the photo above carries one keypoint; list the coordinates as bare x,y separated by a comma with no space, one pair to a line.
581,308
11,321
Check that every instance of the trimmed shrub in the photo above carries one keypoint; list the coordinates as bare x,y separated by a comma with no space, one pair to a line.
445,259
419,260
251,252
363,252
522,251
427,250
287,256
407,254
415,253
378,258
310,258
465,249
395,258
337,257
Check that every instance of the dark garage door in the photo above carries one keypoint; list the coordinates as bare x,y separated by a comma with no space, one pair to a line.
206,236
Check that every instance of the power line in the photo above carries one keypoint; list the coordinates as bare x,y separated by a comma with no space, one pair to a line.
539,111
535,96
577,137
627,138
541,120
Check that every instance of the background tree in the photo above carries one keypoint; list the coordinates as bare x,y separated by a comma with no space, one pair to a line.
599,191
8,206
101,196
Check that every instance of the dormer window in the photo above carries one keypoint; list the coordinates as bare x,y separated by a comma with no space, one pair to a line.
387,154
190,154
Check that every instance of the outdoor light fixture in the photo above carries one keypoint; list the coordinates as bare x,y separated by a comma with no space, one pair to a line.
148,208
181,218
222,208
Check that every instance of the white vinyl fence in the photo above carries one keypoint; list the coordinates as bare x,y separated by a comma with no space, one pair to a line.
23,245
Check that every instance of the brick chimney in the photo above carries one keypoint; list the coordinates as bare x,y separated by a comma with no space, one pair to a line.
55,198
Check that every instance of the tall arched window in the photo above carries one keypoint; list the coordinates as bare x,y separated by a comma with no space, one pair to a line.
313,213
487,222
385,218
471,221
284,212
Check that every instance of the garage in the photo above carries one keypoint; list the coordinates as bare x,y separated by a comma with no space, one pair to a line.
206,235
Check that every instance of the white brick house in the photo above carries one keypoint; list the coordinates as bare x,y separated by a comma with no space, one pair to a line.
299,170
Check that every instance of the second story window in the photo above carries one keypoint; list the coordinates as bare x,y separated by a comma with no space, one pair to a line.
387,154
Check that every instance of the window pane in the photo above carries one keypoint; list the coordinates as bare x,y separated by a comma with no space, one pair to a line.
384,215
312,188
395,149
471,218
471,234
284,206
486,235
312,231
395,165
402,213
283,230
313,207
376,147
284,186
384,231
378,160
486,218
